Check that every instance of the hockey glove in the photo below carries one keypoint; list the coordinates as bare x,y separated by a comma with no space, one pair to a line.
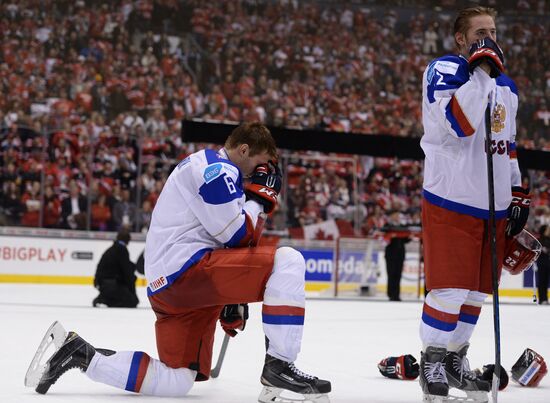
486,374
233,317
402,367
487,50
265,185
518,212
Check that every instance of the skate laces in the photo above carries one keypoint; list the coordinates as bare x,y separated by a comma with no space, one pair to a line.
296,371
435,372
462,366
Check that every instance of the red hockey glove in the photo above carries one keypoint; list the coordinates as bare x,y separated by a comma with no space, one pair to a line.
487,50
265,185
233,317
402,367
518,212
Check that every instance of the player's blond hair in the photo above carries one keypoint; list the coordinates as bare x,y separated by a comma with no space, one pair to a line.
256,135
462,22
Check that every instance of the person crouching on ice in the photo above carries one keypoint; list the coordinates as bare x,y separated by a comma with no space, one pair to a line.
114,276
201,268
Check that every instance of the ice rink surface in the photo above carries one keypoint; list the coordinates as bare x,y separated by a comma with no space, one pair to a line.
343,341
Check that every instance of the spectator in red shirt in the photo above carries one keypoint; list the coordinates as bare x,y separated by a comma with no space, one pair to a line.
101,214
52,209
31,201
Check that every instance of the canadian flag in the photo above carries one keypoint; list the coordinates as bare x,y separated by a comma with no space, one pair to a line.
325,230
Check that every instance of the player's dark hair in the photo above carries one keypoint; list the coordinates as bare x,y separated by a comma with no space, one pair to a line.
462,22
256,135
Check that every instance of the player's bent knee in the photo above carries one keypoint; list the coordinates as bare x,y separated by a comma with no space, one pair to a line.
164,381
289,257
288,276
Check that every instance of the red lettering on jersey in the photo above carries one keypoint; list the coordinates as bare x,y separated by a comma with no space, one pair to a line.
500,147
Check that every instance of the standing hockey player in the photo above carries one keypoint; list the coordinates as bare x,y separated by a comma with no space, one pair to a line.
199,269
456,90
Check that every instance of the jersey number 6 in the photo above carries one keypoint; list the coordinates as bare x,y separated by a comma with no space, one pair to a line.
230,184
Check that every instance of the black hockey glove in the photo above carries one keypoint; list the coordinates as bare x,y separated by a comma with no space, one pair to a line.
233,317
402,367
486,374
518,212
265,185
487,50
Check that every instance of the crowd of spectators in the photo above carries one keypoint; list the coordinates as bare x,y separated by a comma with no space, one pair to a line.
93,93
320,190
349,67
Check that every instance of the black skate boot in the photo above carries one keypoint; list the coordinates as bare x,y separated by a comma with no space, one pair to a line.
74,353
461,377
432,374
279,375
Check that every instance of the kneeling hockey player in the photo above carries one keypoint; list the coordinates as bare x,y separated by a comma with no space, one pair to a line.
199,269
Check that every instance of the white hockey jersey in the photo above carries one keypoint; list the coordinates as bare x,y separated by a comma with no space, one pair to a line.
201,208
453,114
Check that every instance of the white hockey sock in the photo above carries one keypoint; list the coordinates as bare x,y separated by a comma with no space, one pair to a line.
440,316
467,319
136,372
284,305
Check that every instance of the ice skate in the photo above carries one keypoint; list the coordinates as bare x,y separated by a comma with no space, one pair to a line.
54,337
432,375
72,352
280,377
461,377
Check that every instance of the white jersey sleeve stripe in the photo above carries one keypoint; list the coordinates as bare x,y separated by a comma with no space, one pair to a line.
458,120
244,233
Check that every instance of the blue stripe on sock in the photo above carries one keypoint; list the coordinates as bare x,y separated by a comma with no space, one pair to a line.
438,324
464,317
282,319
134,368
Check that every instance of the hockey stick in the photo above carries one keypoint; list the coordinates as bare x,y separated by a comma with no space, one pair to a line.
215,372
493,241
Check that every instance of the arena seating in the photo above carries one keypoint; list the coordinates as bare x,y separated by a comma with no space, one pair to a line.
103,90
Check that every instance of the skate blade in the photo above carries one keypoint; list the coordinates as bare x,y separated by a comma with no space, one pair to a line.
271,394
435,398
471,397
55,335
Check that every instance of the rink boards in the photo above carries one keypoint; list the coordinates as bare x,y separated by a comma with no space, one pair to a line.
70,257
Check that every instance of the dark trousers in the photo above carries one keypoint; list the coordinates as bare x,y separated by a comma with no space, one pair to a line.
543,266
394,267
116,295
